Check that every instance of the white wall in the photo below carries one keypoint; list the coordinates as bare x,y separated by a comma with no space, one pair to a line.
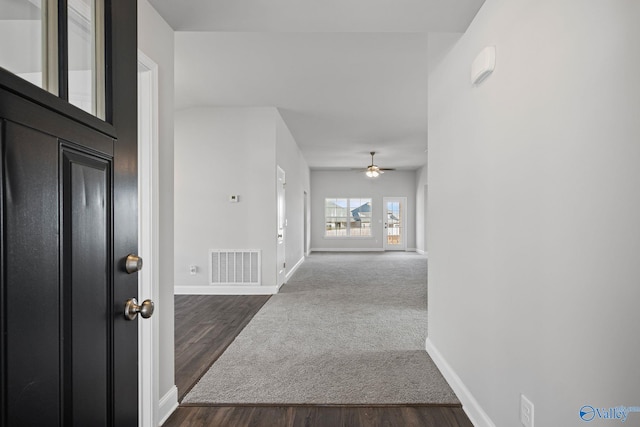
234,151
155,39
289,158
438,46
534,209
326,184
222,152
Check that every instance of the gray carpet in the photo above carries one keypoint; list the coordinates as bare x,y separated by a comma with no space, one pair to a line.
348,328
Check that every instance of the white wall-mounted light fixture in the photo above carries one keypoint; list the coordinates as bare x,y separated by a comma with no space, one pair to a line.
483,65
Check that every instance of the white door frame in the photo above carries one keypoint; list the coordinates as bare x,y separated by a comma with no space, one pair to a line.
426,228
306,227
148,230
281,183
403,222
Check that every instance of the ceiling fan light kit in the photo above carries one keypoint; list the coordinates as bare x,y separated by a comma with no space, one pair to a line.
373,171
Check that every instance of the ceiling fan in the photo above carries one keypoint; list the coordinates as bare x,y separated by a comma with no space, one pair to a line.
373,170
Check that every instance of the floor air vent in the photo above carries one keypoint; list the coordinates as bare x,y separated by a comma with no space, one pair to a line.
234,267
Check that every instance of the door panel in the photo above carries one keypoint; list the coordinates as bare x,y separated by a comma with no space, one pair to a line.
87,286
59,304
31,267
58,289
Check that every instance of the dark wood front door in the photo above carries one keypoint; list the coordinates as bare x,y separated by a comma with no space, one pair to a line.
68,201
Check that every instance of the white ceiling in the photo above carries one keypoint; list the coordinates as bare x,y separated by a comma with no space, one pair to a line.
348,76
319,15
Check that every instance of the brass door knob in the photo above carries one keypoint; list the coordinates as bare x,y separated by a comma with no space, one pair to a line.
131,309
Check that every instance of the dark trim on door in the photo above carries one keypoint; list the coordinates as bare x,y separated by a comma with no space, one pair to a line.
63,50
33,93
3,350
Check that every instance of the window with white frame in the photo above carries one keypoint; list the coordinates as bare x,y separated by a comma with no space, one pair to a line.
347,217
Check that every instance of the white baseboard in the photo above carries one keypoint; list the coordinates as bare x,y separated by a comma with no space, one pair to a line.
347,250
421,252
293,270
411,250
168,404
224,290
471,407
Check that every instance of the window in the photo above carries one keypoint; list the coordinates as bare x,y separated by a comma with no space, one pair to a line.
85,24
347,217
70,64
24,37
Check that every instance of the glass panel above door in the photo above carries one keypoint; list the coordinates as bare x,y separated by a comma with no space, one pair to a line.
23,39
86,55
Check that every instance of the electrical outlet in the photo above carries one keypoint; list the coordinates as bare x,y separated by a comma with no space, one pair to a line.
526,411
193,270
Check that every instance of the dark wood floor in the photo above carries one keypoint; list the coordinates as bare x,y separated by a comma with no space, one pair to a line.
319,416
206,325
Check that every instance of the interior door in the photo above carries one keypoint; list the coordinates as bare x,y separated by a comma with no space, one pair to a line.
394,216
282,222
68,199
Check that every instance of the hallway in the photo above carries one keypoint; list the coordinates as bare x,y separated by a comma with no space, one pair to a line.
217,314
